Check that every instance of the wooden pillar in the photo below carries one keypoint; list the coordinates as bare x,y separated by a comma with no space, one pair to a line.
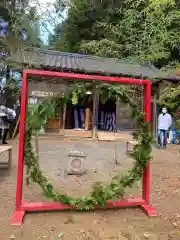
156,107
60,119
87,119
158,95
64,119
154,117
95,112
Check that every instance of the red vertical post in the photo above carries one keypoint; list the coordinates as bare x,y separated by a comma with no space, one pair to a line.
21,141
147,110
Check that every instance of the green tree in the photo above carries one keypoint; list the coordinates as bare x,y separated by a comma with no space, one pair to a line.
80,23
144,32
137,29
22,19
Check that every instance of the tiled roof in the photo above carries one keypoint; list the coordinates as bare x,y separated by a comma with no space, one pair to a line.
80,62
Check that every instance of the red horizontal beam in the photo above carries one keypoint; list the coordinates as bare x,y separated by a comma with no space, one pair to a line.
85,77
19,214
40,206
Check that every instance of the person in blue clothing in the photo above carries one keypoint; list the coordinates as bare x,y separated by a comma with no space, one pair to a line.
164,124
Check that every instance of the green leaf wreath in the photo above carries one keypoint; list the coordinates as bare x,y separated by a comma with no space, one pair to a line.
100,193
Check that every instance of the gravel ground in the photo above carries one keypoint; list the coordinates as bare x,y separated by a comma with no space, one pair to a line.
131,224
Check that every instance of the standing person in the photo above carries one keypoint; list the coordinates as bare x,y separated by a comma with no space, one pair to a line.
164,124
7,115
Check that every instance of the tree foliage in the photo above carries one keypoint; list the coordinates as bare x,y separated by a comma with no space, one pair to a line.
23,31
23,20
80,23
137,29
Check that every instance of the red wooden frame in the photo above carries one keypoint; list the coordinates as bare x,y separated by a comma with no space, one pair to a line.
22,207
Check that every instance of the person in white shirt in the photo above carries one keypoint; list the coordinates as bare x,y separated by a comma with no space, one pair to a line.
164,124
7,115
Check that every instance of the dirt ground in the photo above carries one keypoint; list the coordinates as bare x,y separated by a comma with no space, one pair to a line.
125,224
